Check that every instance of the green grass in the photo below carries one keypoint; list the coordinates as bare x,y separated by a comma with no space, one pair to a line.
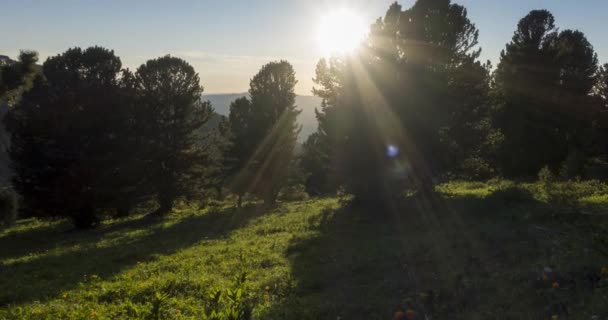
478,252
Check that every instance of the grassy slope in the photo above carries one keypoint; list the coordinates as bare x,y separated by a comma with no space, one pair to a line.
476,254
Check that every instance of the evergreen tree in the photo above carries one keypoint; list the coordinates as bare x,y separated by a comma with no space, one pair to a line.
264,132
319,157
275,127
543,83
170,119
600,89
242,146
65,133
17,75
395,108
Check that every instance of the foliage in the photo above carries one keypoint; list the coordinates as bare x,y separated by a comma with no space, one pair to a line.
293,193
170,117
396,112
543,85
264,132
67,125
230,303
14,78
242,146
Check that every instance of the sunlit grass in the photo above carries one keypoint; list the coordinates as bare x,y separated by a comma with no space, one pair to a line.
314,259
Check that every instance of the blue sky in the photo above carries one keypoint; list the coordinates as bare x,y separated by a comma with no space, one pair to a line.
228,41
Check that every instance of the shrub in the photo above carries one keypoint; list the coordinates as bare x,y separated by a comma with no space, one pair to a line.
8,207
294,193
232,303
477,168
545,176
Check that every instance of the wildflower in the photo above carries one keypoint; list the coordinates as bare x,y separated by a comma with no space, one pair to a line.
93,314
555,285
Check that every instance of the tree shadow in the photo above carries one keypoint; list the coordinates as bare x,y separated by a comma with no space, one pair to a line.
447,258
104,252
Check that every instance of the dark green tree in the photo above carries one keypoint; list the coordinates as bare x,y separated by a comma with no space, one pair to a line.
543,83
170,119
393,111
14,76
600,89
65,133
318,156
242,144
272,92
600,103
264,132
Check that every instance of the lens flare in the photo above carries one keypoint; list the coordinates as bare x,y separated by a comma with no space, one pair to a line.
392,151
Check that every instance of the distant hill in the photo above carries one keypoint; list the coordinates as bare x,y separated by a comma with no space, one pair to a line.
221,104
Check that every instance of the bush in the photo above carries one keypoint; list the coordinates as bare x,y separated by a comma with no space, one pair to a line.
477,168
294,193
545,176
8,207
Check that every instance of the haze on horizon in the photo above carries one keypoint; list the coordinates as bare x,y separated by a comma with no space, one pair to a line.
228,42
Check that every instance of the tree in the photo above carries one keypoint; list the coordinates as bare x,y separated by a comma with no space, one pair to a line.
264,132
275,127
600,90
170,119
392,111
65,133
318,156
543,83
242,146
14,76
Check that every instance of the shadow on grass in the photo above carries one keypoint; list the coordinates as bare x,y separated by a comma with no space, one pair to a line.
450,258
103,252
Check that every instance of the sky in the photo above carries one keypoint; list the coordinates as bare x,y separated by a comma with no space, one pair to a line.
227,41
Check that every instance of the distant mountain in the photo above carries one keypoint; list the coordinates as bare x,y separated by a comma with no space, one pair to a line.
221,104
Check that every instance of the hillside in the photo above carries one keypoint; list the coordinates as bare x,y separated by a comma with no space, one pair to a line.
483,251
221,104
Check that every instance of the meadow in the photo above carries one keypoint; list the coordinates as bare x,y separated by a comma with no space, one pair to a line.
481,250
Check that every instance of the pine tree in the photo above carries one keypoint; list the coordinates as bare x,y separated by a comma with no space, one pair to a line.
275,127
543,83
395,107
264,132
65,133
17,75
242,146
170,118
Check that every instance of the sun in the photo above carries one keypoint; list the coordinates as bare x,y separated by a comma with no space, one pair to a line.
340,32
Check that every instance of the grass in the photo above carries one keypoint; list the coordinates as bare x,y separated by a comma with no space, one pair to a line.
480,252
